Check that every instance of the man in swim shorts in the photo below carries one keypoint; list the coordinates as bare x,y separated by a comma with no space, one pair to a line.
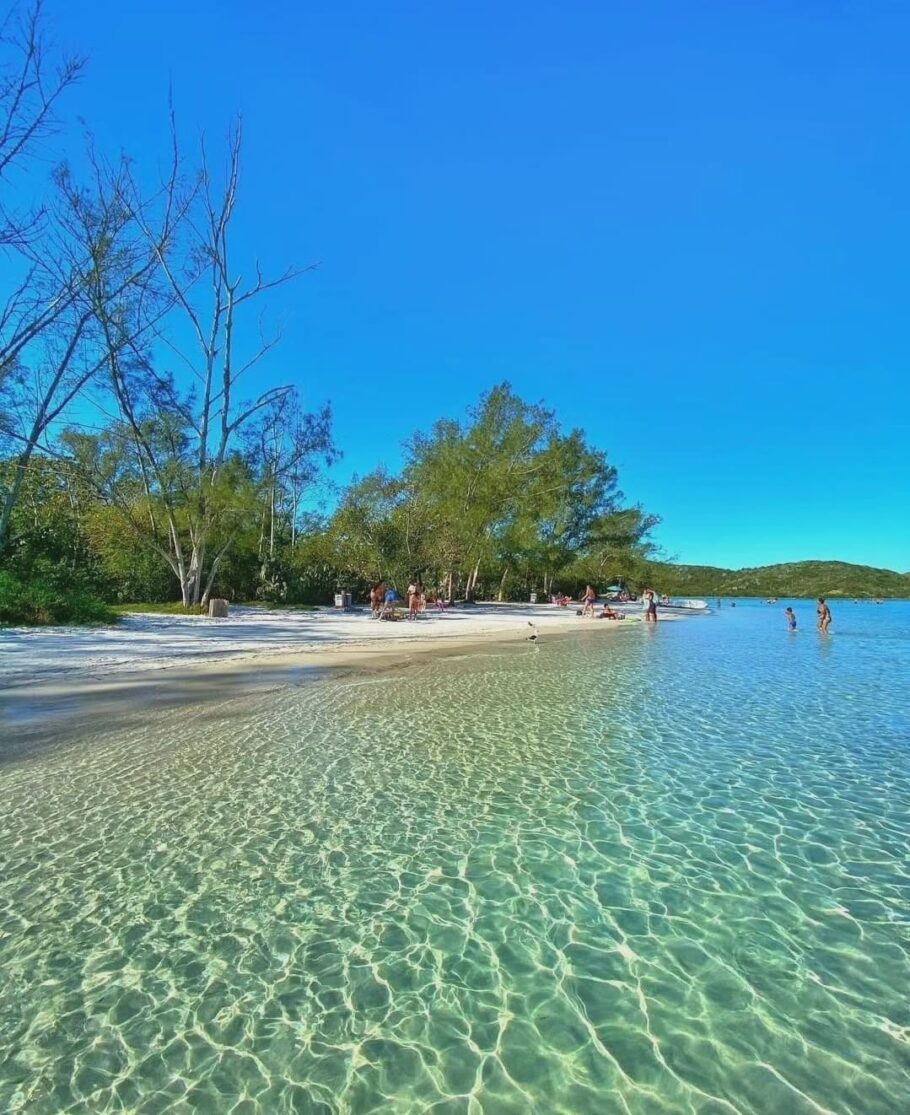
791,618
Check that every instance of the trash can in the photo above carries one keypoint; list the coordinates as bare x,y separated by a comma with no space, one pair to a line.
339,599
533,597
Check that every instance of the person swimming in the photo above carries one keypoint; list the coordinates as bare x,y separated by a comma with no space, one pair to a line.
791,618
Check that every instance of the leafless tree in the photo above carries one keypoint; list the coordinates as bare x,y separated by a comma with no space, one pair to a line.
95,250
190,239
33,79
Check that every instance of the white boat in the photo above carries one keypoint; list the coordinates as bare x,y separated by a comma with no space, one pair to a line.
684,606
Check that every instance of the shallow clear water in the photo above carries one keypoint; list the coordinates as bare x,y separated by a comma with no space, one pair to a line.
659,871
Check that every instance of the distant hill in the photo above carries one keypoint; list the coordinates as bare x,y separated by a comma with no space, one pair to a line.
796,578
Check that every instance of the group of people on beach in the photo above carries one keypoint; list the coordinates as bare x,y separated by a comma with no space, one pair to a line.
822,611
384,598
588,602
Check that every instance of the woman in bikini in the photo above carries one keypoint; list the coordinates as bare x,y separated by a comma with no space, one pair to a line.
413,600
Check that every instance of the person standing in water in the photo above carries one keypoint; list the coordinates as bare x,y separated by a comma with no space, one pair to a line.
791,618
824,616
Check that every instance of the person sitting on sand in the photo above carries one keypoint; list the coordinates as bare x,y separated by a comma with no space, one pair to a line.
609,613
389,601
791,618
824,615
590,600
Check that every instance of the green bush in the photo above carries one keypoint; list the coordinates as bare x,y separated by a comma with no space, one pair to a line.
39,601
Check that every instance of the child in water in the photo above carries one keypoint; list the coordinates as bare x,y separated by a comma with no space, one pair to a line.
791,618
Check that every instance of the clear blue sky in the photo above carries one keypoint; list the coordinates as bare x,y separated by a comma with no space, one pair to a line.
684,226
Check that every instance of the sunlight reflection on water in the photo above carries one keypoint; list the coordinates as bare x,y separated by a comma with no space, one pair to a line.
662,872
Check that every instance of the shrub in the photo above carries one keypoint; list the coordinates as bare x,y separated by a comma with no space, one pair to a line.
39,601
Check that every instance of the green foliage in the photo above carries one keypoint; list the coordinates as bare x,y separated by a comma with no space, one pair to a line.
500,503
41,601
170,608
801,579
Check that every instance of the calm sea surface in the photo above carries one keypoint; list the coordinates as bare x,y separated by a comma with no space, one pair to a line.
659,871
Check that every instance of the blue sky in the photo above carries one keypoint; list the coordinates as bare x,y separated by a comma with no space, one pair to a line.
683,226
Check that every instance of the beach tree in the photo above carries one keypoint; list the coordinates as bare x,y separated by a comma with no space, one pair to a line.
290,447
178,463
34,78
509,492
92,248
475,476
42,322
618,548
382,529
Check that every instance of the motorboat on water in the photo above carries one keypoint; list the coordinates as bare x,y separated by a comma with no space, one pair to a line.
664,603
683,607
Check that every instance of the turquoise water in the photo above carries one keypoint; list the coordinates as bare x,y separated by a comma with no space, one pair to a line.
647,871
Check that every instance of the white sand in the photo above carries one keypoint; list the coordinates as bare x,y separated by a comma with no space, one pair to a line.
152,642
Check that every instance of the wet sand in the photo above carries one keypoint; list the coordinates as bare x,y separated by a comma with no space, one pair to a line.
39,709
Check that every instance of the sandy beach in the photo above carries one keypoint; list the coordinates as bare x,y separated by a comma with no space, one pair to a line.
53,673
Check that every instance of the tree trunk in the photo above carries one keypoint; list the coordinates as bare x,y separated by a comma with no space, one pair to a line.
502,583
206,596
197,561
12,497
272,524
261,549
450,587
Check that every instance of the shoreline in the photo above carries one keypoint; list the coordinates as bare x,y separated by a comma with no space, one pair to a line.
62,703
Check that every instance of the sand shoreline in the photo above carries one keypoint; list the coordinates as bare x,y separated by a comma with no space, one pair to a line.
73,692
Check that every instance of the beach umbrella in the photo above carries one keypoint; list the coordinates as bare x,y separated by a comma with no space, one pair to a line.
614,588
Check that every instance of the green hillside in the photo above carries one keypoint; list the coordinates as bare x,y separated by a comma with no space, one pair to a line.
797,578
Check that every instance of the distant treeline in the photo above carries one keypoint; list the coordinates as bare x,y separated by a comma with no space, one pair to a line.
797,579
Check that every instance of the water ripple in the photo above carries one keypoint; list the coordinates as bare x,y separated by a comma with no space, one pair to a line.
669,874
